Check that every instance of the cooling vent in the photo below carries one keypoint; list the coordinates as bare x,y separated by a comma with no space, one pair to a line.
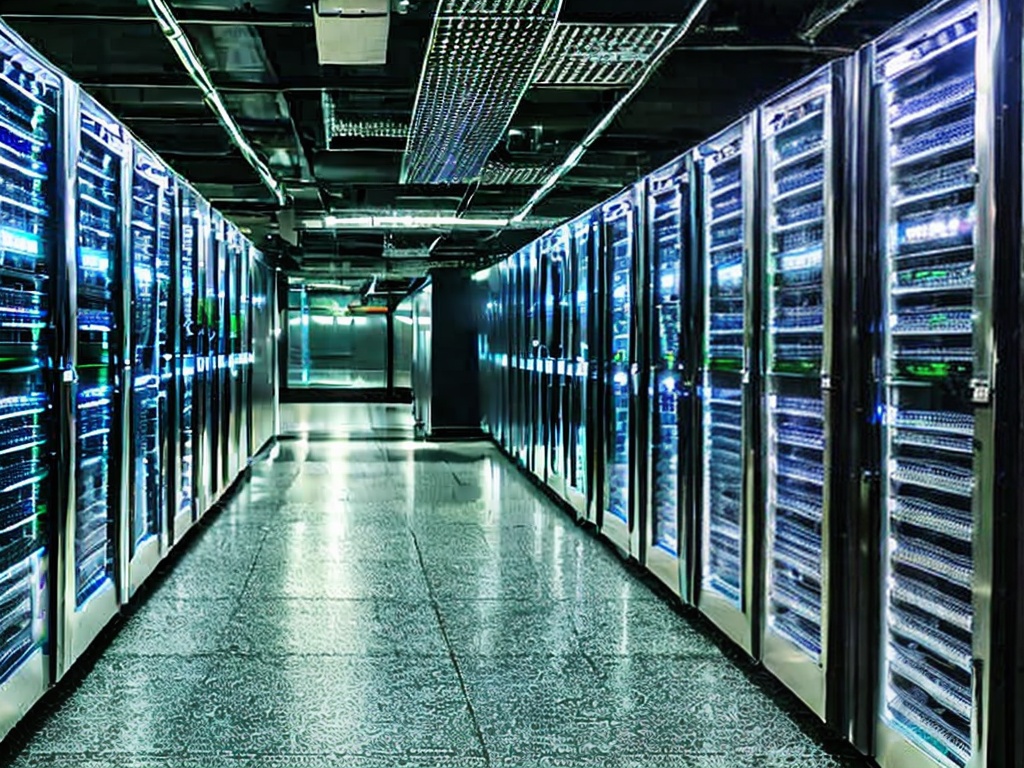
339,126
482,58
500,174
599,55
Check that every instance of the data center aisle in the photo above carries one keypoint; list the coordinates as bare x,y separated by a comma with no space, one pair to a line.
371,601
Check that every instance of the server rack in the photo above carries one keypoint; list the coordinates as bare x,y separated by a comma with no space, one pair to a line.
554,253
96,531
150,247
264,344
186,329
671,366
583,367
231,420
522,438
31,286
621,372
217,290
245,438
935,110
808,317
534,297
728,587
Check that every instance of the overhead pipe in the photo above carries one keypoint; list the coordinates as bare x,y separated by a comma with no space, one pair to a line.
823,17
186,53
574,157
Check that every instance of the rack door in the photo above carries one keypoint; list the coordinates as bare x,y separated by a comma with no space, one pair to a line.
620,253
150,243
667,221
797,150
925,75
727,591
30,100
184,508
100,173
579,357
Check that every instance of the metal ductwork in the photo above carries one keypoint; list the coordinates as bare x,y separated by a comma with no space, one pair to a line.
481,59
358,167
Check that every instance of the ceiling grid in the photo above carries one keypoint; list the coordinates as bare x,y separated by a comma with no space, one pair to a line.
481,60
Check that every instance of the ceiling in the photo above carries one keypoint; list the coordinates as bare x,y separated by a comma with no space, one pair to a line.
509,89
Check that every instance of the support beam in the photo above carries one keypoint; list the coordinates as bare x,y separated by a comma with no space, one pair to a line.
305,85
824,16
206,18
190,60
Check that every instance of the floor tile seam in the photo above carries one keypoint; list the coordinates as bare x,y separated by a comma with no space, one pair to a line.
478,730
241,755
238,653
240,598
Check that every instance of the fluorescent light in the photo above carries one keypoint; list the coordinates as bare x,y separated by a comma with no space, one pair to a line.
412,222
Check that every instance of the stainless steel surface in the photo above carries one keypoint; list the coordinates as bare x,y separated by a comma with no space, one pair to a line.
791,631
81,624
737,615
667,468
922,730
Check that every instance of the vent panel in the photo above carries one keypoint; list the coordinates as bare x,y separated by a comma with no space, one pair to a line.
477,68
599,55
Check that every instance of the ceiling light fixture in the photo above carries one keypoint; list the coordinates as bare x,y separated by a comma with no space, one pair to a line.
412,222
573,158
186,53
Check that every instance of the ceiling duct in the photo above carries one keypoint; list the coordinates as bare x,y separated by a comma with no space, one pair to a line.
482,57
352,32
503,174
599,55
347,126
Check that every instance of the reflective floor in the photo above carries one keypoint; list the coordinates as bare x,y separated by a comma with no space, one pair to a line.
371,601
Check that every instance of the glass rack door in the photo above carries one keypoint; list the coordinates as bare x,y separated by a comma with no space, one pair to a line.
187,319
795,135
927,81
29,101
620,229
725,251
666,246
582,250
150,249
99,320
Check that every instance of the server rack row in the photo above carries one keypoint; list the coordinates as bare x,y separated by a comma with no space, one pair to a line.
782,374
133,388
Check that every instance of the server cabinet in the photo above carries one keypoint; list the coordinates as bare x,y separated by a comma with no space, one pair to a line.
936,119
554,252
150,249
231,420
671,386
186,330
96,531
728,591
263,346
245,448
580,416
521,434
31,292
806,316
621,374
220,257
